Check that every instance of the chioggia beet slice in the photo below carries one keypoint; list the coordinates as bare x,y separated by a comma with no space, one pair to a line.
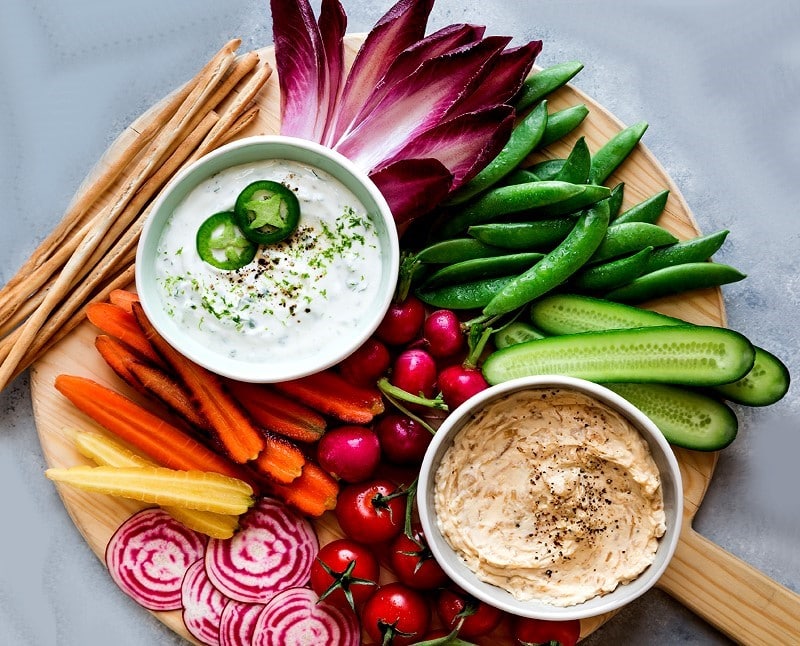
237,625
202,605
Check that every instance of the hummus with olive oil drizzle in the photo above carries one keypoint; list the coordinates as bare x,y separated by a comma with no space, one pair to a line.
551,495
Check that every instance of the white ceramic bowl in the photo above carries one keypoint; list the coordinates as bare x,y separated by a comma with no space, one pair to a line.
209,354
493,595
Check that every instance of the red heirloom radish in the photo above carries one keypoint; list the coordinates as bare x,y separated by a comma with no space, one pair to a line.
350,453
459,383
403,440
237,624
442,333
367,364
148,555
202,604
402,322
414,371
272,551
296,617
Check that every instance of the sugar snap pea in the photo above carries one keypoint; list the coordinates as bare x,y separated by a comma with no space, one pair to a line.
464,296
615,151
627,237
524,137
573,205
548,169
556,266
561,123
541,83
615,201
541,235
456,250
612,274
693,250
521,176
579,162
648,210
675,280
478,268
504,200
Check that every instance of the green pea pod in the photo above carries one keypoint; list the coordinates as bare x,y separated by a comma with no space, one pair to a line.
541,235
514,199
479,268
521,176
693,250
590,196
612,274
675,280
615,201
561,123
558,265
615,151
523,140
629,237
539,84
465,296
456,250
648,210
547,170
576,169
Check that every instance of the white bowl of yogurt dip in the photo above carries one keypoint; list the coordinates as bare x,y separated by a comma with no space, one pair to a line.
551,497
301,304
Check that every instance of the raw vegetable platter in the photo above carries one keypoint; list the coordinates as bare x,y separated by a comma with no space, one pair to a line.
696,572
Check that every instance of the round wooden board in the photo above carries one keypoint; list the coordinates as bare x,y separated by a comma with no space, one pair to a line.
97,516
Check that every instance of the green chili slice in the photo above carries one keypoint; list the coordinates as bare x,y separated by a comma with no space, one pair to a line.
267,212
222,244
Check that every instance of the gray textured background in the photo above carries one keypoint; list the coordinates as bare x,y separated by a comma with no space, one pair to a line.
719,83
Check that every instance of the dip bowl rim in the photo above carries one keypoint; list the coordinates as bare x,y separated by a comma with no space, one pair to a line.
243,151
461,575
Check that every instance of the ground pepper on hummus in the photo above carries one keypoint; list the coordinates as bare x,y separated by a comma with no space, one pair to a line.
551,495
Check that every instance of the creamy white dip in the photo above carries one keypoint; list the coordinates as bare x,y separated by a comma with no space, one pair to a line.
551,495
297,296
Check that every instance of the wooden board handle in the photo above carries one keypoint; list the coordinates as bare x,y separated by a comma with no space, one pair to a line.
731,595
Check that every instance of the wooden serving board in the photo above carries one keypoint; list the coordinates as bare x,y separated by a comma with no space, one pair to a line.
727,592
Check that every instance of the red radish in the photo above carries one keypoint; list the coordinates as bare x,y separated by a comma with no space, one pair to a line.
350,453
402,322
273,551
414,371
403,440
459,383
237,625
148,557
297,617
442,333
202,604
367,364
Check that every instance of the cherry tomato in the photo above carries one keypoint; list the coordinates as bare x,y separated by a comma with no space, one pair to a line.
477,618
345,573
538,631
372,511
413,562
395,614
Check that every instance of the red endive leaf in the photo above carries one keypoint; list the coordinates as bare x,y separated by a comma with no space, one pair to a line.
332,27
463,142
401,26
418,102
502,79
299,56
412,187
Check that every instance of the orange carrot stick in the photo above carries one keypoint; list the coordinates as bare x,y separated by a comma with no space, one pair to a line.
313,493
277,413
123,298
330,394
116,322
162,442
281,460
233,429
118,356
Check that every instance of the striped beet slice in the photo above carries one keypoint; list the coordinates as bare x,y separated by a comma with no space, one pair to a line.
296,617
148,557
272,551
237,625
202,605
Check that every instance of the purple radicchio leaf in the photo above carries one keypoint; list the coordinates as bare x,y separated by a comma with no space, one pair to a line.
300,59
412,187
463,144
502,79
418,102
401,26
332,27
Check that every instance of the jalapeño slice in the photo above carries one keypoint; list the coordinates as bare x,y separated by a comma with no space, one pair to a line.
221,243
267,212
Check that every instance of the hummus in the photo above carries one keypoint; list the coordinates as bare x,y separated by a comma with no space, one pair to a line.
550,495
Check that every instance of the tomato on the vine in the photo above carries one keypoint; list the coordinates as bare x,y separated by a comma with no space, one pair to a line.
372,511
395,614
532,632
476,618
413,563
345,573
